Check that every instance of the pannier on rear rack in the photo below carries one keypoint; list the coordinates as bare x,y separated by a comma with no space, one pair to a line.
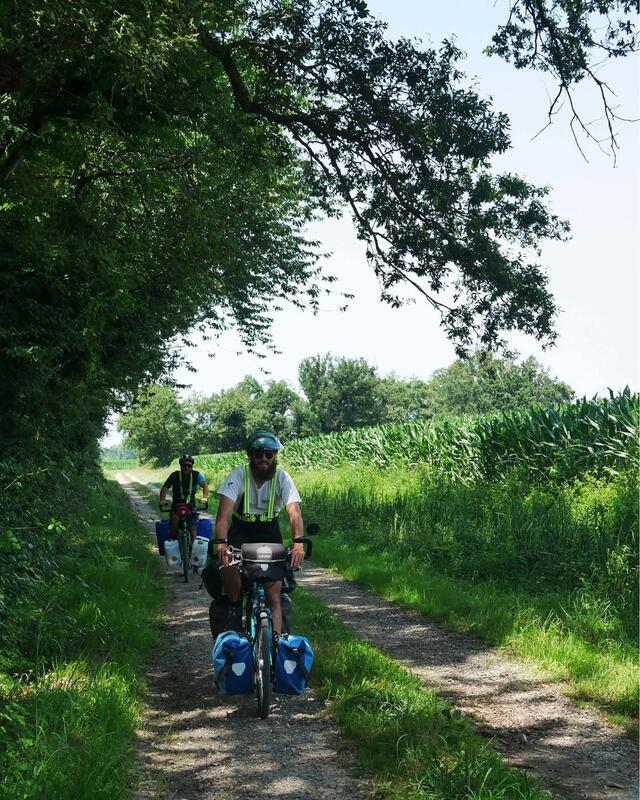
264,562
232,659
294,658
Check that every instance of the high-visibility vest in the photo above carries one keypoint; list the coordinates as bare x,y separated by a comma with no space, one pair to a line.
181,492
246,516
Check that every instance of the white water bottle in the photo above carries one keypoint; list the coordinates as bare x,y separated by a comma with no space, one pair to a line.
199,551
172,554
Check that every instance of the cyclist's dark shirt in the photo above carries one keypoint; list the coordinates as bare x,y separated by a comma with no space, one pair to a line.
179,488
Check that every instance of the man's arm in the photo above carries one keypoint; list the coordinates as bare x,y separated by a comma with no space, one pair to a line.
297,532
225,508
164,488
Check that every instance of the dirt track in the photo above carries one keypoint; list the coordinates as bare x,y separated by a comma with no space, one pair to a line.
195,743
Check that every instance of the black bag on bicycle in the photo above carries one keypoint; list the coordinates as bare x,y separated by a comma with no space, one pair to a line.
212,580
264,561
219,616
288,582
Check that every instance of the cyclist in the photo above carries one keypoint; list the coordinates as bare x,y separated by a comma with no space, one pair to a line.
184,484
252,496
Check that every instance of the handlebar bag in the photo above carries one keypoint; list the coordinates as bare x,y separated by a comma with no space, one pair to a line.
294,658
264,561
232,659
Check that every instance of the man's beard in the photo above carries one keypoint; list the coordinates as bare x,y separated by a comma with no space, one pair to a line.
267,473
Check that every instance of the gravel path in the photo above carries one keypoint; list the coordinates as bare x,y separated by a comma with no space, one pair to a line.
195,742
197,745
570,749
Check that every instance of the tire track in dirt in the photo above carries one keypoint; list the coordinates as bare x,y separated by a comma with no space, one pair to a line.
198,745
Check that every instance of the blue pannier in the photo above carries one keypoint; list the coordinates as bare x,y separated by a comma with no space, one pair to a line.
233,663
205,527
163,531
294,658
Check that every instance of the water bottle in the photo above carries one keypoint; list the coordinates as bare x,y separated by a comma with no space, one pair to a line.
199,551
172,554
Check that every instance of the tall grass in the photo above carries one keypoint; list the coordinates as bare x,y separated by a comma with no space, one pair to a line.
69,683
551,571
569,535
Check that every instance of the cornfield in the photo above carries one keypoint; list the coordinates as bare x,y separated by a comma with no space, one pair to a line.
598,436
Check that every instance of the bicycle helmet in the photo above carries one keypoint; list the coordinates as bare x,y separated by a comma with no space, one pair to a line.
185,458
263,440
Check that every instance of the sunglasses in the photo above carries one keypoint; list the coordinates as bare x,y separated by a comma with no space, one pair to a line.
266,453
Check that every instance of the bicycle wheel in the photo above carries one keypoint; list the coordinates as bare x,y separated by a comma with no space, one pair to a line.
184,553
263,667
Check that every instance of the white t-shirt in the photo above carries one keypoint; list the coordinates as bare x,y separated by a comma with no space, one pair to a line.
233,488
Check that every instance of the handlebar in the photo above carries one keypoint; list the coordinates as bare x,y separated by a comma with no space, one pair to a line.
234,553
201,505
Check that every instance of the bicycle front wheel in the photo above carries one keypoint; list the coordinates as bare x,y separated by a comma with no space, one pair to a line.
263,667
184,554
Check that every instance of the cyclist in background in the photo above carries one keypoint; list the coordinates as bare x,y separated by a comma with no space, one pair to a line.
184,484
251,497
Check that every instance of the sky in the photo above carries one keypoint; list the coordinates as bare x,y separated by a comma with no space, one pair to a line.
593,277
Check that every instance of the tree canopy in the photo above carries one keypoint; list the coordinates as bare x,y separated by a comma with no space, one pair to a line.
484,383
159,164
338,394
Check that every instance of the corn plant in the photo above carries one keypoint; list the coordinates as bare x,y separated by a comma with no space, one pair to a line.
556,443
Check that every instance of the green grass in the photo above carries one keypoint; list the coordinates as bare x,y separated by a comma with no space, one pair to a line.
71,693
409,740
549,631
548,572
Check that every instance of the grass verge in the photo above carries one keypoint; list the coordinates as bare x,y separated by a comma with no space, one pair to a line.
544,630
407,738
71,704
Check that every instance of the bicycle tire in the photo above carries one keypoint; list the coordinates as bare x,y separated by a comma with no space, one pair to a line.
263,668
184,553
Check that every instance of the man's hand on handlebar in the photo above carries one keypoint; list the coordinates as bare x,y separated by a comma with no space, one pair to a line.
223,555
297,555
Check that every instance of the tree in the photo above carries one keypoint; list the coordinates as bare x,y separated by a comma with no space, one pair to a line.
571,41
229,429
341,392
132,210
156,425
151,155
273,409
199,411
404,401
486,383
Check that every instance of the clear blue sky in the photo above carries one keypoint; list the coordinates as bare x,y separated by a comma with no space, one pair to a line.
594,277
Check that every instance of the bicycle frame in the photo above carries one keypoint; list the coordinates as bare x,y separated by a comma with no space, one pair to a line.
255,609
